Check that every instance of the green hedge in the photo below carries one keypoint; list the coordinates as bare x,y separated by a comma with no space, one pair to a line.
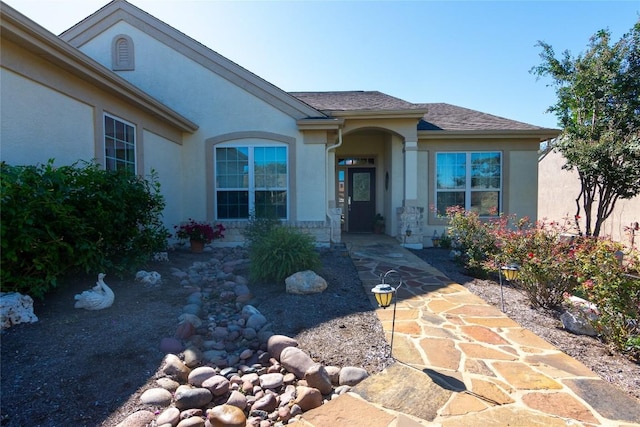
59,220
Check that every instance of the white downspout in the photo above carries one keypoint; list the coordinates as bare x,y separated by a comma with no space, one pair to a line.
327,181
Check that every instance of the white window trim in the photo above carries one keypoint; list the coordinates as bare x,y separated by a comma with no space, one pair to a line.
467,190
251,186
104,140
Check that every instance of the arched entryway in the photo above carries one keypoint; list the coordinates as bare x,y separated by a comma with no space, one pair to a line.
364,187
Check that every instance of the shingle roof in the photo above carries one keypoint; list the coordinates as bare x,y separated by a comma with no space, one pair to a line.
356,100
441,116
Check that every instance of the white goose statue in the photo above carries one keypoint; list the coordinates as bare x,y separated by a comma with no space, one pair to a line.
99,297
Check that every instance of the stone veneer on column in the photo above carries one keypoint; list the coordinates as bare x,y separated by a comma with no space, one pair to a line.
410,218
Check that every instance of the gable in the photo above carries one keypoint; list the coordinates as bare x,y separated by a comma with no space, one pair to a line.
114,14
38,42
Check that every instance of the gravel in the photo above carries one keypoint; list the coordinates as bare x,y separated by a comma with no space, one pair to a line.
82,368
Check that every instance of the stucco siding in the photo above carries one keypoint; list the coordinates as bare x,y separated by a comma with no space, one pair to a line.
310,183
38,123
558,189
424,179
521,198
163,157
219,107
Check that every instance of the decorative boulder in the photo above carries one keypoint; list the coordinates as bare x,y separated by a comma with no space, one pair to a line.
305,282
296,361
149,278
318,377
576,323
226,416
16,308
580,316
277,343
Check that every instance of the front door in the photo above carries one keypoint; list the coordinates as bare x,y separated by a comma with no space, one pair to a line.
361,199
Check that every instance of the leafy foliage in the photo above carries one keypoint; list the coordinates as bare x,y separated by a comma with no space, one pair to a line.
257,227
598,107
605,282
554,262
280,252
546,259
57,220
473,238
199,231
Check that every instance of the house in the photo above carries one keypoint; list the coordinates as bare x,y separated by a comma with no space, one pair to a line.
130,91
559,189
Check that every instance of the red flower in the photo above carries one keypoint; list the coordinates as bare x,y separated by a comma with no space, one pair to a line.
530,254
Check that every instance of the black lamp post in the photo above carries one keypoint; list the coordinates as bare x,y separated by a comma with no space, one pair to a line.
384,295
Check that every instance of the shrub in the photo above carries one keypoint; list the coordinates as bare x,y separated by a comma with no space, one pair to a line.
281,252
545,259
474,237
38,229
257,228
553,264
605,282
57,220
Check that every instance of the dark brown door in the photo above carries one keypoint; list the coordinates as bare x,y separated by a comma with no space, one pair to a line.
361,200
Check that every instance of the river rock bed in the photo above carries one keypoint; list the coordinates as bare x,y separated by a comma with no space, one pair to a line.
224,365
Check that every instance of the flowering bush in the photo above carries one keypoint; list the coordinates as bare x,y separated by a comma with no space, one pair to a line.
545,257
199,231
474,238
612,287
556,263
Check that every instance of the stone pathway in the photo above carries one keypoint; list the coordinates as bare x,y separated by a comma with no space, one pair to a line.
462,362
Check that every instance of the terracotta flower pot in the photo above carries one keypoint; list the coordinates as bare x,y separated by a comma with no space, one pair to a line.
197,246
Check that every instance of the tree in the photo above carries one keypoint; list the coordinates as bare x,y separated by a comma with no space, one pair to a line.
598,108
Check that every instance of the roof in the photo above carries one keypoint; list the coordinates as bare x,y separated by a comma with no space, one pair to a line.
121,10
441,116
355,100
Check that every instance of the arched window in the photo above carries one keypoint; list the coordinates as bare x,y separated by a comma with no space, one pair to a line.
122,53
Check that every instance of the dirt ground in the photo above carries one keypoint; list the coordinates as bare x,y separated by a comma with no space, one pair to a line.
88,368
83,368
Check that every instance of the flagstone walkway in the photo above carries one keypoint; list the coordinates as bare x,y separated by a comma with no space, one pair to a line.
462,362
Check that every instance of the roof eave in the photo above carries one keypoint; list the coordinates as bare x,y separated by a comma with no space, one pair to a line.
377,114
117,11
320,124
24,32
542,134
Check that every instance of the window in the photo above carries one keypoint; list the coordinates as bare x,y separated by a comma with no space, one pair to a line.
471,180
251,179
356,161
119,145
122,53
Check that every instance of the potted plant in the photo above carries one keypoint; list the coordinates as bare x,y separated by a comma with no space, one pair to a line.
199,233
378,224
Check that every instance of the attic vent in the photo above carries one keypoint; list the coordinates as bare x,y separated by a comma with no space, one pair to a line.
122,53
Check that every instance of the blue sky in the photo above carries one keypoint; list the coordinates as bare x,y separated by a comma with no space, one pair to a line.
475,54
